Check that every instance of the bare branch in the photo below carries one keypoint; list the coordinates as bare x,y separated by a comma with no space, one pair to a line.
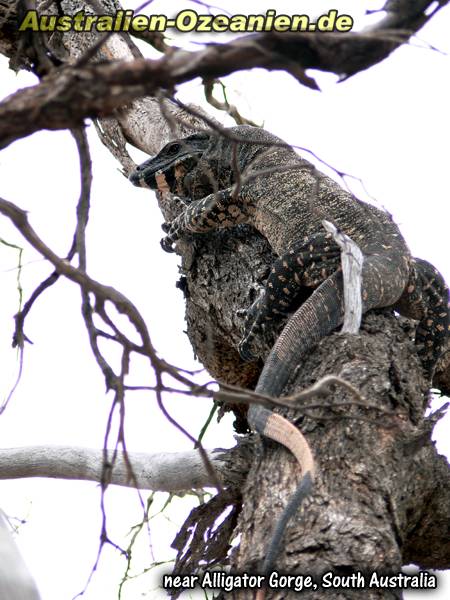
103,294
20,220
65,97
225,105
160,472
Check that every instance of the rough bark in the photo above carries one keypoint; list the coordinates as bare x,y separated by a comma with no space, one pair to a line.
377,483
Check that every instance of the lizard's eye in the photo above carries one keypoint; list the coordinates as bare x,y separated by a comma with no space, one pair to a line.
174,149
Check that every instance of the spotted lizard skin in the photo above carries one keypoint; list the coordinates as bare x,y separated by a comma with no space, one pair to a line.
247,175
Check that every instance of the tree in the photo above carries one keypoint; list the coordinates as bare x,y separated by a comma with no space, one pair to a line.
402,442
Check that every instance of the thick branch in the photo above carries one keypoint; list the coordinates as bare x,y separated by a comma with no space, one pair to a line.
162,472
70,94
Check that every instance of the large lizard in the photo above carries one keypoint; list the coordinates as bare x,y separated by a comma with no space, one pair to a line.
247,175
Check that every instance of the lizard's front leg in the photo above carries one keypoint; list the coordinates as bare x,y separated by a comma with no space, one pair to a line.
216,211
306,264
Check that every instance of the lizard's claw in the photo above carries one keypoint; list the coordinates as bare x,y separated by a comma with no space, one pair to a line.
245,351
174,230
167,244
181,201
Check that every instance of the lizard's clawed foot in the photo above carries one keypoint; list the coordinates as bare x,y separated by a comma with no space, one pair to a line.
181,201
167,244
245,351
173,230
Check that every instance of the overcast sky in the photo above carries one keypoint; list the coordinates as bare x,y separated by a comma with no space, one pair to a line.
389,126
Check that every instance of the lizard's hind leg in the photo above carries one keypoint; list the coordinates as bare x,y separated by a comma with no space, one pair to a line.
306,264
426,298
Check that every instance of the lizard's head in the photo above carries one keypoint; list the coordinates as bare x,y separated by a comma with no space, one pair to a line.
175,160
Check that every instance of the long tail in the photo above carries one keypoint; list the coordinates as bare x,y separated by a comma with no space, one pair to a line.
322,312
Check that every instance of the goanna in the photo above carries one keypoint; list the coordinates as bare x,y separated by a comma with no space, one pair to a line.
247,175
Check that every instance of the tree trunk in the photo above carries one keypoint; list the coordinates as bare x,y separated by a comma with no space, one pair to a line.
377,474
382,493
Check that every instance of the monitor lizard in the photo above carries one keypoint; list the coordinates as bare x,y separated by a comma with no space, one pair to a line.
247,175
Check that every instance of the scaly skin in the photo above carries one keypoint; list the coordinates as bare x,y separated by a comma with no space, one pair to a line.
250,176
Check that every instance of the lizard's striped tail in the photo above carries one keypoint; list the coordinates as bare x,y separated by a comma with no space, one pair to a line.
281,430
322,312
312,321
